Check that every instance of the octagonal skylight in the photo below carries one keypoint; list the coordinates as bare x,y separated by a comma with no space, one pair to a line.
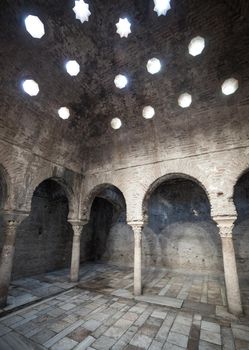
34,26
162,7
196,46
123,27
64,113
120,81
73,68
185,100
148,112
153,65
116,123
30,87
81,10
230,86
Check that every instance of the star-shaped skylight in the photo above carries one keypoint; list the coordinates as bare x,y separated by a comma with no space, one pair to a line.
81,10
230,86
30,87
185,100
120,81
196,46
34,26
116,123
162,7
123,27
64,113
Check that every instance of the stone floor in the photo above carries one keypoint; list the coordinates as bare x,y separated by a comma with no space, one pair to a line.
31,289
80,319
187,289
177,311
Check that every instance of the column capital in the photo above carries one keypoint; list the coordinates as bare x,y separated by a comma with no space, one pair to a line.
225,225
136,225
77,222
14,218
77,226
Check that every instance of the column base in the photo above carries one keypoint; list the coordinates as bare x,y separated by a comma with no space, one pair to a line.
74,279
137,293
235,309
3,296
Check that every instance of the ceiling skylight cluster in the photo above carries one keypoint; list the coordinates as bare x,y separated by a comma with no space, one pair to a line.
34,26
81,10
36,29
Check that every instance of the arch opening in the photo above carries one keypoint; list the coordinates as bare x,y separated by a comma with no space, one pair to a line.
107,237
180,233
241,236
44,239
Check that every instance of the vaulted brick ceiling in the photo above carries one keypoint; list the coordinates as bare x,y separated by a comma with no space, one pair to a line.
92,96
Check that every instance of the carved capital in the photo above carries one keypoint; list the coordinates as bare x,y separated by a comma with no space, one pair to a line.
77,226
13,219
137,227
225,225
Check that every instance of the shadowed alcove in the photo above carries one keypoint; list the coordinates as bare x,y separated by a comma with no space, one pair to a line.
44,239
3,196
241,236
107,237
180,234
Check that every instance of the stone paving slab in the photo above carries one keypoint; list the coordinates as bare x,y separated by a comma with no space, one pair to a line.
14,341
159,300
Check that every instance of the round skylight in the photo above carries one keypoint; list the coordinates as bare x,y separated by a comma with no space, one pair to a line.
120,81
30,87
185,100
196,46
34,26
116,123
81,10
123,27
148,112
162,7
153,65
64,113
73,68
230,86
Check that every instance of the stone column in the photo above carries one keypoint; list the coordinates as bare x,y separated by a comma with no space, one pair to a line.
137,230
7,257
75,260
225,225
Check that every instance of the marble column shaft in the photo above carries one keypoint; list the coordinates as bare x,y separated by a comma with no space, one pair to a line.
75,259
230,268
137,230
6,259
